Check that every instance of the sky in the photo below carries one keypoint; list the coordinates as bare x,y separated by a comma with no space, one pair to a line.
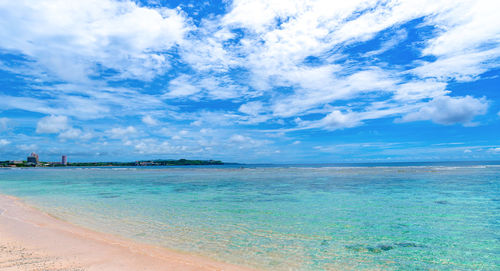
252,81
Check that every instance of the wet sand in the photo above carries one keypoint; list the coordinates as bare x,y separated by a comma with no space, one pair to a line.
33,240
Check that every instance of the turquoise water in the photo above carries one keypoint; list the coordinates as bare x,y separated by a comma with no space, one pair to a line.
286,218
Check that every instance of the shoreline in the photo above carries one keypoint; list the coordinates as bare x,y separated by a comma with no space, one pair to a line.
34,240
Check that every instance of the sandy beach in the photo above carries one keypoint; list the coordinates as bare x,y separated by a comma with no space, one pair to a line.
33,240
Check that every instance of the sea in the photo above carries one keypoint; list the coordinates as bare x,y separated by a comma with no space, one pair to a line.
400,216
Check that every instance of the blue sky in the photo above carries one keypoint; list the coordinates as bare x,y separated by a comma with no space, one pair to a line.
286,81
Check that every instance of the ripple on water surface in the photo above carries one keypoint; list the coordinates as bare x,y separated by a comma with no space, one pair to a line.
285,218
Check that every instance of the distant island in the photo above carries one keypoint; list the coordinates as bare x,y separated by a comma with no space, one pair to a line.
158,162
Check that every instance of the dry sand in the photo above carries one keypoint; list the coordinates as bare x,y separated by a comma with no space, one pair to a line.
33,240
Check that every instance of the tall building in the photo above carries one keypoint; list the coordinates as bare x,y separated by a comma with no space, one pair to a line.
64,160
33,158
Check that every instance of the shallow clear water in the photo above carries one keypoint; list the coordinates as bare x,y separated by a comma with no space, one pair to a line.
286,218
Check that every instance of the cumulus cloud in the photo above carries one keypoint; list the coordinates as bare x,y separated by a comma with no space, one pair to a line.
70,134
4,142
87,35
324,63
181,86
333,121
252,108
52,124
239,138
121,132
449,110
149,120
281,36
300,46
254,112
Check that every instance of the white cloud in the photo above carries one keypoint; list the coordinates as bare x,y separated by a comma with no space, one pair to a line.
309,28
205,51
28,148
52,124
242,142
4,142
277,59
181,135
280,35
217,118
239,138
470,19
118,35
349,147
70,134
468,42
419,90
462,67
152,146
215,88
320,87
149,120
335,120
255,112
181,86
449,110
120,132
218,88
85,101
82,108
75,133
396,39
252,108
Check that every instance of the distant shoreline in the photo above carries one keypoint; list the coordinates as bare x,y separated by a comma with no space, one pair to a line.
157,162
264,165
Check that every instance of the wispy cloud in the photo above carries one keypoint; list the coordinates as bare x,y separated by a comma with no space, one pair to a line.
3,124
125,72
